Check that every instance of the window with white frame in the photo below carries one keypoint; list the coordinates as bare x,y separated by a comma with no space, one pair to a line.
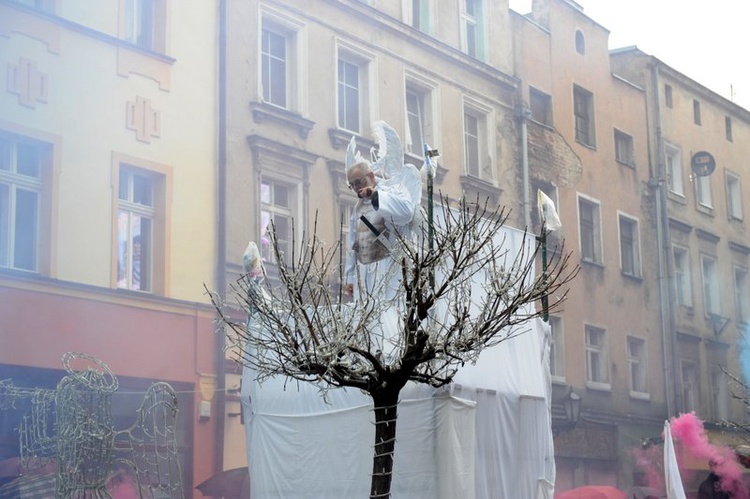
734,196
597,363
278,204
637,365
703,191
145,23
589,223
741,295
417,13
624,148
418,117
630,260
583,110
557,348
541,106
274,62
352,90
674,170
683,280
472,28
689,374
719,393
710,285
281,56
22,167
476,145
136,215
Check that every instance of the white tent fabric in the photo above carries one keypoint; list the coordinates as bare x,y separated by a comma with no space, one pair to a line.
488,435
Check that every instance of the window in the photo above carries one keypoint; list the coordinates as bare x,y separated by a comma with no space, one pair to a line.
703,191
589,222
710,285
689,373
630,261
674,170
583,109
274,63
418,15
419,117
728,128
557,348
683,281
277,208
719,393
353,90
541,106
580,42
696,112
597,370
734,196
668,95
741,296
140,225
280,77
135,229
145,24
23,166
637,365
624,148
476,145
472,28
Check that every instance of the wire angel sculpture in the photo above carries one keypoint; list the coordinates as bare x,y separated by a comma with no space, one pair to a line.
72,428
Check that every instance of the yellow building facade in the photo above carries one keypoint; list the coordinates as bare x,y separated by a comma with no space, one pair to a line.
108,204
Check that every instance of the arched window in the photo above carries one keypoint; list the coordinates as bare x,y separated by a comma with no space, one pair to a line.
580,43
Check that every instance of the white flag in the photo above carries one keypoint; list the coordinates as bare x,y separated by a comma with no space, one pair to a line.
547,212
671,471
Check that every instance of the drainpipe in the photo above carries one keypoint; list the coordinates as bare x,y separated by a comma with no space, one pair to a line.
664,248
221,280
523,113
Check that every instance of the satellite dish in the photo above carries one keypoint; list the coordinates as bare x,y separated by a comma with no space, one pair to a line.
703,164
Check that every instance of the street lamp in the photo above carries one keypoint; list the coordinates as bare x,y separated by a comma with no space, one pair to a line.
572,404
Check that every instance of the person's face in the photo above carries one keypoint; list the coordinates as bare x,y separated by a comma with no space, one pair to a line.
358,180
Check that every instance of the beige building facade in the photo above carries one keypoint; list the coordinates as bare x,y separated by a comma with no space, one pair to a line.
588,150
108,205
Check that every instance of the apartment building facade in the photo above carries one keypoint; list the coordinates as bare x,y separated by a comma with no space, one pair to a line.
588,150
698,144
108,205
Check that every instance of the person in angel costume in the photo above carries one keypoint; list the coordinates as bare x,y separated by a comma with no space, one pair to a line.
390,194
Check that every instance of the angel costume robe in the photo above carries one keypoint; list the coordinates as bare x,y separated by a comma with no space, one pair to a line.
369,263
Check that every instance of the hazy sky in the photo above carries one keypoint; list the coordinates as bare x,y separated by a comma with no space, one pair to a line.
707,40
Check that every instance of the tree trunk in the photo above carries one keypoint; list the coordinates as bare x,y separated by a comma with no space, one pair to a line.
386,414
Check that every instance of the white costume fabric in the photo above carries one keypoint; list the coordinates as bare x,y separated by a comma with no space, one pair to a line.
394,214
399,196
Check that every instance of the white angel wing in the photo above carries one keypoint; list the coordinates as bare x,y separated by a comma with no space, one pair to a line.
353,156
390,164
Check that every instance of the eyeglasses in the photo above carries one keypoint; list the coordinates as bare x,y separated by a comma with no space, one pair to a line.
358,183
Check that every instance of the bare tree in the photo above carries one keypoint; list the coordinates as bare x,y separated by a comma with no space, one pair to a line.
460,291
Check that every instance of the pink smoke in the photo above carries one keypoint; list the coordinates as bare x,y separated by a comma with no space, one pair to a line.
688,429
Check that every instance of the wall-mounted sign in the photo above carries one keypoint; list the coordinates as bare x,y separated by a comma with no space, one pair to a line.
703,164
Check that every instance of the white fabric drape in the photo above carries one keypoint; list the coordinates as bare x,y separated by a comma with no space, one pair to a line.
487,435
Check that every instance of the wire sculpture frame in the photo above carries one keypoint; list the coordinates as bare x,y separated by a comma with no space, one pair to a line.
73,428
